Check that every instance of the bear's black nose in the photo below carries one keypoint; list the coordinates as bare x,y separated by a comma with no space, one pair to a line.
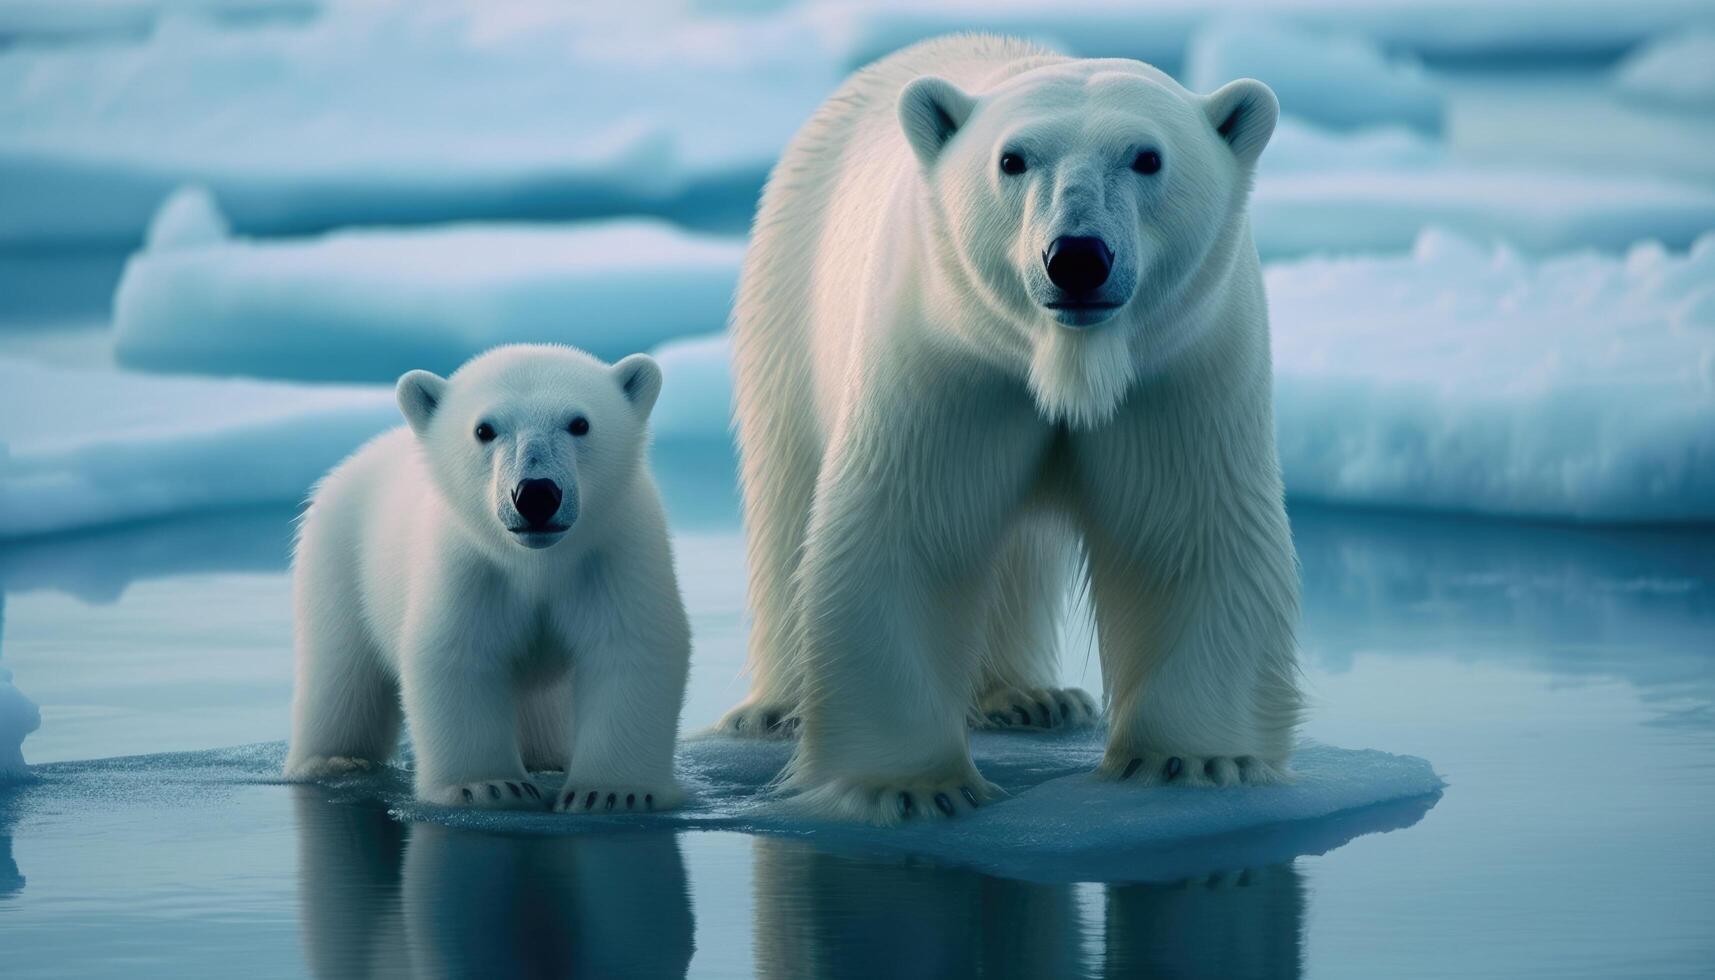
1078,264
537,501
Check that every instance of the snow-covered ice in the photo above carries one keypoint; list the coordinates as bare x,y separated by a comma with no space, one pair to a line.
1675,71
372,304
81,448
1467,378
1338,80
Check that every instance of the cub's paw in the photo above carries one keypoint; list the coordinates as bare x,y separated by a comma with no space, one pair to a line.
489,794
888,803
595,796
1161,768
1037,708
760,718
319,767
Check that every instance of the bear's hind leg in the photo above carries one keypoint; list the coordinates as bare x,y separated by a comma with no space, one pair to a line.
345,707
1018,685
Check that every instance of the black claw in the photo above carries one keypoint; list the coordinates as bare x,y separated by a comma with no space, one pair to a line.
649,801
630,800
1023,715
1173,766
1131,768
772,720
1066,710
738,724
1047,716
969,796
516,791
468,797
589,801
943,804
906,805
1209,768
612,798
571,798
999,719
535,793
493,792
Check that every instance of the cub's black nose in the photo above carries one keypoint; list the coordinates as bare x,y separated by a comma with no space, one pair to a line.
537,501
1078,264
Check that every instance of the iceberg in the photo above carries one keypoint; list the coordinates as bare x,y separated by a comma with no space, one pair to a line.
371,304
18,718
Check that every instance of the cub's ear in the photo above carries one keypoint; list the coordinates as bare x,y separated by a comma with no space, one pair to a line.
1243,113
419,394
640,378
931,110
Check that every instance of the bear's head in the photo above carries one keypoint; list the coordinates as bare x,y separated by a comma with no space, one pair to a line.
1089,203
525,442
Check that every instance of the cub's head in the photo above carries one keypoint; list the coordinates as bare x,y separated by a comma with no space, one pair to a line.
526,441
1081,197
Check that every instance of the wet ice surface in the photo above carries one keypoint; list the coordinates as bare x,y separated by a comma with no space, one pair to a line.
1559,679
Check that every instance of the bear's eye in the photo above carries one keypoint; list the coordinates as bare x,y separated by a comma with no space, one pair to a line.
1147,162
484,432
580,426
1012,164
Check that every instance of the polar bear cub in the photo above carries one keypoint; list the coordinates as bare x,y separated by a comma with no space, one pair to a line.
1002,326
499,569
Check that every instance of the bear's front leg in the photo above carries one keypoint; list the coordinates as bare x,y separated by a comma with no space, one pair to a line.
461,701
912,505
1197,651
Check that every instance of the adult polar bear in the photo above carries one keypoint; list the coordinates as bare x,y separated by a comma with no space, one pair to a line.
1001,305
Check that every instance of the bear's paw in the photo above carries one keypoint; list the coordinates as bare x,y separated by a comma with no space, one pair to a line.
1035,708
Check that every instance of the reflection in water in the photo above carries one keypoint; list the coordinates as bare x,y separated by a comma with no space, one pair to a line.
826,915
11,879
383,899
1238,925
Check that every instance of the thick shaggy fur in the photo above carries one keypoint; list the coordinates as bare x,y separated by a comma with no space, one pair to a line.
559,650
929,449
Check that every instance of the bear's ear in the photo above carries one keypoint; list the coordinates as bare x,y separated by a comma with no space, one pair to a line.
1243,113
419,393
931,110
640,378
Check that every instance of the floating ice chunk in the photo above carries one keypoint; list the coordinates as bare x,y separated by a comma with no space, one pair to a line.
373,304
1337,80
1676,71
91,447
18,718
1057,822
188,218
1468,378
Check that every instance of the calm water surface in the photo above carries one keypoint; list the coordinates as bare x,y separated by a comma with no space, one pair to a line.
1561,680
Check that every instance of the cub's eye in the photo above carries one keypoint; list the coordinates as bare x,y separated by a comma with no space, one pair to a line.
484,432
1147,162
580,426
1012,164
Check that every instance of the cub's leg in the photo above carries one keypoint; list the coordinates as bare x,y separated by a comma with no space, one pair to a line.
345,699
1018,686
461,694
911,508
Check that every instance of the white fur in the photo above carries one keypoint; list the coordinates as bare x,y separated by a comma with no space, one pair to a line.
509,652
928,450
